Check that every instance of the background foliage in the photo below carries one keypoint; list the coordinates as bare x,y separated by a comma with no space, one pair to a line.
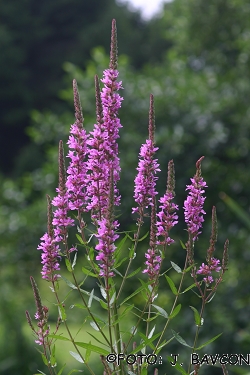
195,60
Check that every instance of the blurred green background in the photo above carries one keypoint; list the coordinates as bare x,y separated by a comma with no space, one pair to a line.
195,59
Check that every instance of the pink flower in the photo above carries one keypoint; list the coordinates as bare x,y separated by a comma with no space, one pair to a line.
106,247
104,163
167,218
49,258
207,270
153,264
193,205
145,180
77,170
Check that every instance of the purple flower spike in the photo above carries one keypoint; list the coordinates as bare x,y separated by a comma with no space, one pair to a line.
103,154
77,170
50,251
167,218
153,264
107,236
193,205
61,221
49,258
145,180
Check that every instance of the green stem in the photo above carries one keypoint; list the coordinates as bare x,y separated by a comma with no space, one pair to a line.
173,307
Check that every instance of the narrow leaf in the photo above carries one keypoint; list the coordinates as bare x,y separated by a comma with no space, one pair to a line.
90,298
103,304
61,370
58,337
93,348
62,312
79,239
133,294
171,284
45,361
87,354
68,265
180,339
176,267
74,260
103,292
190,287
134,273
87,272
161,311
177,366
94,325
72,286
208,342
176,311
197,317
77,357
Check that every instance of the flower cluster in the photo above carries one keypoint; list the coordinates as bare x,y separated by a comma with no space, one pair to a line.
107,236
103,162
167,218
153,264
50,254
193,205
77,171
207,270
145,180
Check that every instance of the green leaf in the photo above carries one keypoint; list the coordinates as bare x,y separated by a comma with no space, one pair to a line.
72,286
190,287
134,273
180,339
87,354
123,314
58,337
171,284
146,342
93,348
62,312
208,342
94,337
176,311
133,294
74,260
103,304
94,325
45,361
161,311
89,273
80,239
68,265
143,237
182,245
53,357
176,267
189,268
90,298
74,370
61,370
88,294
76,356
177,366
197,317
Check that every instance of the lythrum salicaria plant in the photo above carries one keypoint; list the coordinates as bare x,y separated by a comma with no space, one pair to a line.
87,201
